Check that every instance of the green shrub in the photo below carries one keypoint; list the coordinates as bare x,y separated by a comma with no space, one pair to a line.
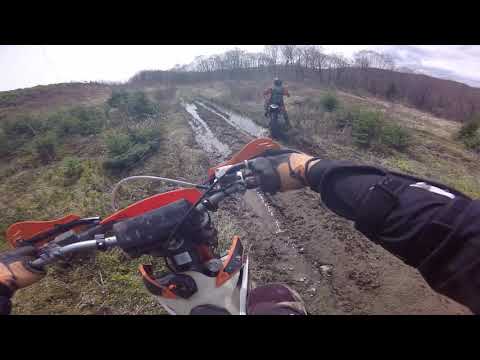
79,120
344,118
472,142
366,128
72,169
45,147
91,119
329,102
145,135
140,105
63,124
118,143
370,128
135,104
6,144
469,128
469,134
395,136
117,99
22,126
127,149
132,156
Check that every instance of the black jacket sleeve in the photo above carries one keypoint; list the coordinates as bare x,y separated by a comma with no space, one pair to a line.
428,225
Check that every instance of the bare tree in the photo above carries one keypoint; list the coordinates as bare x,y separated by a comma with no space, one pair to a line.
288,53
273,52
336,65
362,59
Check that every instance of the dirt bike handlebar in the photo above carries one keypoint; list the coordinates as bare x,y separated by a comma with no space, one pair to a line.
58,252
232,181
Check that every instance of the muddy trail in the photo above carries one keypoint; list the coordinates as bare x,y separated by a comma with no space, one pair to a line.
294,239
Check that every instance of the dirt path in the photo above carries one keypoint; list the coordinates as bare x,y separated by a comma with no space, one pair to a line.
295,240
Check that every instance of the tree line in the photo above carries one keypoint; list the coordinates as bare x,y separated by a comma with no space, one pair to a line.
367,71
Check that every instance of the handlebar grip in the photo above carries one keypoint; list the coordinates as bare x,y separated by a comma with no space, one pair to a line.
140,235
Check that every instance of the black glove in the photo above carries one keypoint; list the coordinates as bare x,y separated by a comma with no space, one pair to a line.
281,170
16,273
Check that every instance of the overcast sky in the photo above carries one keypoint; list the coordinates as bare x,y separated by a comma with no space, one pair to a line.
29,65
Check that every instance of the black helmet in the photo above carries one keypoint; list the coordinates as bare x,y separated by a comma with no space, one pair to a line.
277,82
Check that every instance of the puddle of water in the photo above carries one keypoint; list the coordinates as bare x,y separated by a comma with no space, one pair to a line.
204,136
242,123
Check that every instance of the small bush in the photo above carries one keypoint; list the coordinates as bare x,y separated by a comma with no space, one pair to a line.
366,128
45,147
469,128
135,104
118,143
344,118
395,136
329,102
117,99
80,120
72,169
127,149
7,144
140,106
145,135
91,119
63,124
472,142
133,155
469,134
22,126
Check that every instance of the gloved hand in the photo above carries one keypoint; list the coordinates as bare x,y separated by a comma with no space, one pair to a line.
15,273
282,170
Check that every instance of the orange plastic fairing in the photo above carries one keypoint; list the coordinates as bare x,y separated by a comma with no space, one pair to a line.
223,275
154,202
27,229
252,149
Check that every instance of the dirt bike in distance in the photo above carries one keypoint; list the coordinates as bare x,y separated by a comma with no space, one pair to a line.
174,225
278,124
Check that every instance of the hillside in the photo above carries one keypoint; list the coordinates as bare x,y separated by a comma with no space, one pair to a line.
100,134
442,98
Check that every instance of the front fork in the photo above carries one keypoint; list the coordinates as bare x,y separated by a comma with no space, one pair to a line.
221,291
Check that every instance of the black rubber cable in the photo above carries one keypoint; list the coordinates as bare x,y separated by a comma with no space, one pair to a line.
175,229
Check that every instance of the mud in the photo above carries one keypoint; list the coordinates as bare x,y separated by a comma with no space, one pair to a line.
203,134
241,123
294,239
254,199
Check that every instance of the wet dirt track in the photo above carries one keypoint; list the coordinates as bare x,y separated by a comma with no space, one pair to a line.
295,240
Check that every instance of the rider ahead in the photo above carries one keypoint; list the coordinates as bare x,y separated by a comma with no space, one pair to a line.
274,95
